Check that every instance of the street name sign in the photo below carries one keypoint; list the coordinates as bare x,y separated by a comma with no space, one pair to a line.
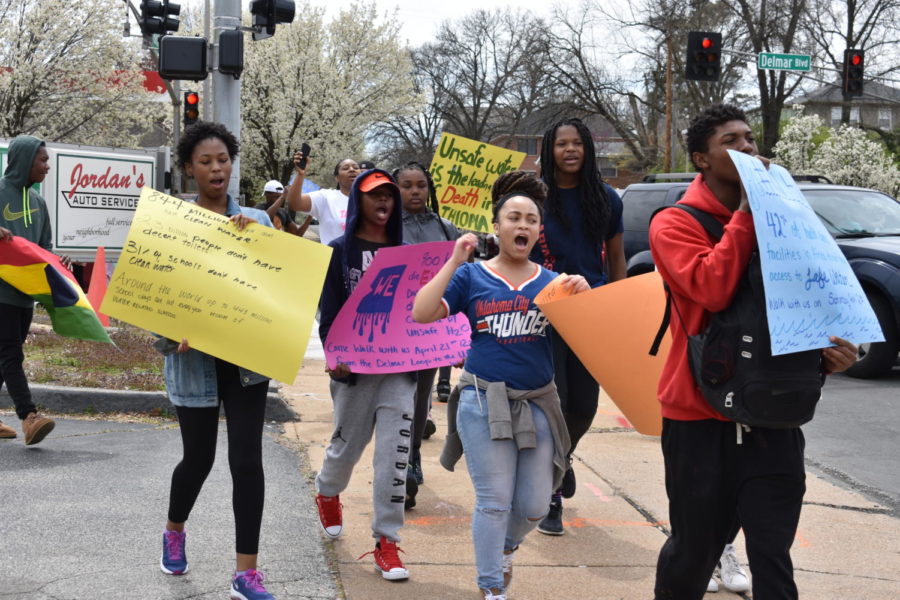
784,62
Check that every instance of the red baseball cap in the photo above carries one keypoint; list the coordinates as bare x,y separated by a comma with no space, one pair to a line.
375,179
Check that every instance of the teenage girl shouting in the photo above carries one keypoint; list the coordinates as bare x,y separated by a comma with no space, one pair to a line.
505,414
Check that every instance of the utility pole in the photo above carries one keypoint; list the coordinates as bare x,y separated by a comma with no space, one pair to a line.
227,89
207,95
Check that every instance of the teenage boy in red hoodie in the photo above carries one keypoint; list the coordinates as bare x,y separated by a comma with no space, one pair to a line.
712,473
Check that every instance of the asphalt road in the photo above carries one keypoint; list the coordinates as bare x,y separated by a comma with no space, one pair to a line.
855,436
83,514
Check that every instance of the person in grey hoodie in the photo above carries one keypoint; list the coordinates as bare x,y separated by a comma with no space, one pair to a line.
23,213
422,223
366,404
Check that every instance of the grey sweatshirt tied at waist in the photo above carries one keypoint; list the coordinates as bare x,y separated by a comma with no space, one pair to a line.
509,417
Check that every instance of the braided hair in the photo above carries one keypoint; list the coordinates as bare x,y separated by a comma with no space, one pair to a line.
518,182
593,199
432,191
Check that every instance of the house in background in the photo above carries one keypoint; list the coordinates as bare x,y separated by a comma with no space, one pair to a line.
879,106
608,146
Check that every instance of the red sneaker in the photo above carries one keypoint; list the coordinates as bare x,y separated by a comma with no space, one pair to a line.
387,561
330,514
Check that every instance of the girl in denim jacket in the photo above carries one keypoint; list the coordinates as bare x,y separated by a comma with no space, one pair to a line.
197,383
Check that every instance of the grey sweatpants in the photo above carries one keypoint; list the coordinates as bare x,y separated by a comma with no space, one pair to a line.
382,404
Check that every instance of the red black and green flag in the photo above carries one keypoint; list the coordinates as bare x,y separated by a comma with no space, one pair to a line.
38,273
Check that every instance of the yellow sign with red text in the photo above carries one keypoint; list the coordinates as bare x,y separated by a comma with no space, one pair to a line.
464,171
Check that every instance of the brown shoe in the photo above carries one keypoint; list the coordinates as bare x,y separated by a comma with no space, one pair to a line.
6,432
36,428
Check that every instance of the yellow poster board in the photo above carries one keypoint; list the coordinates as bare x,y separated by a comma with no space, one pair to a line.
248,297
611,329
463,171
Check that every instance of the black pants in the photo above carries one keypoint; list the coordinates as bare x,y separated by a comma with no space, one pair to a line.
577,388
711,480
424,381
245,409
14,324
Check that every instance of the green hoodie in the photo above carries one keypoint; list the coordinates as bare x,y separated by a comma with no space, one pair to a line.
22,210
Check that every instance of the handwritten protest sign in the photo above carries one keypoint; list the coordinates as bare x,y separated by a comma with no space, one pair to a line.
374,331
610,329
811,291
248,297
464,171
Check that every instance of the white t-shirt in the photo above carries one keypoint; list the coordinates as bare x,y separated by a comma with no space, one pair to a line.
329,207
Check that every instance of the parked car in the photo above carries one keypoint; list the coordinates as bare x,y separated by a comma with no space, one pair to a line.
865,224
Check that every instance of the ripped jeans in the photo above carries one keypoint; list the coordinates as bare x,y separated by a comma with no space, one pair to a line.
511,486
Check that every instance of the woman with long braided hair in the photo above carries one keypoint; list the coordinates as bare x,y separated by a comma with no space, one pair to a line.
581,235
421,223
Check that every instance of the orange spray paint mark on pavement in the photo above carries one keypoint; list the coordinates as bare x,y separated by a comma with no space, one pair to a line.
578,522
597,492
802,541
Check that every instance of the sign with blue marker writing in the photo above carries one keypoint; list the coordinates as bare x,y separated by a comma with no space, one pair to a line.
811,291
374,331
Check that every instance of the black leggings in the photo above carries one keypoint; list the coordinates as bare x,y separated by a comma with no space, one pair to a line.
577,388
245,409
424,381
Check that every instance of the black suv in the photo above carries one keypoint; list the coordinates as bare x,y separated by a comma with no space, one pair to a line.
865,223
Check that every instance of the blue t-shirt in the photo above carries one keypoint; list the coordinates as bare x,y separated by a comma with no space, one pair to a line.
568,250
510,335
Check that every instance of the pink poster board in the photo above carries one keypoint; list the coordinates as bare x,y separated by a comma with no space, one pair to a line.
374,331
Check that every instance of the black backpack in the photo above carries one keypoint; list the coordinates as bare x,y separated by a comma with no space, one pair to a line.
732,362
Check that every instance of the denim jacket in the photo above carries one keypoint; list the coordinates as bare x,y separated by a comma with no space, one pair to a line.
191,376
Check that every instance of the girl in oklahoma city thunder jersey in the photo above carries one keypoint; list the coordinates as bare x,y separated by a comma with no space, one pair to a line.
505,412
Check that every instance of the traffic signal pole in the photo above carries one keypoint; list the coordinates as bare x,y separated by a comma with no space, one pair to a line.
227,89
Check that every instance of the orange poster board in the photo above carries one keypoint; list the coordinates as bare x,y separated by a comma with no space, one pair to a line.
611,328
552,291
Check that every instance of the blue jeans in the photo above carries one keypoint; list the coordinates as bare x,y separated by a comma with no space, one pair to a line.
511,485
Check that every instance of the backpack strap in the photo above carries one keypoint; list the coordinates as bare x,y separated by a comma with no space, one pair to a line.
667,314
715,231
709,222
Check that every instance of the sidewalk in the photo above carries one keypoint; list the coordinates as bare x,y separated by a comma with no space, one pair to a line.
846,546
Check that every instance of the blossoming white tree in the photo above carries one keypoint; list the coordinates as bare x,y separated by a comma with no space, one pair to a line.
846,155
67,74
325,84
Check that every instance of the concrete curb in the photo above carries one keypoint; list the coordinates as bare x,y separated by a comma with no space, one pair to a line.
75,400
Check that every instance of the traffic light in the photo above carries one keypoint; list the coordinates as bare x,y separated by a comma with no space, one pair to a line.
852,75
267,14
231,53
704,56
191,108
183,57
159,16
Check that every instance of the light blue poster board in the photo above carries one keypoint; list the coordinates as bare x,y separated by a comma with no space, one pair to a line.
811,291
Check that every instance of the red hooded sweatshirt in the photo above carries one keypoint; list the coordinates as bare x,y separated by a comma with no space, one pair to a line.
703,278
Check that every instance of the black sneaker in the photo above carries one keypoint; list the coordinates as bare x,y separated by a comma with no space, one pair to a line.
443,390
415,467
412,488
430,427
552,524
567,489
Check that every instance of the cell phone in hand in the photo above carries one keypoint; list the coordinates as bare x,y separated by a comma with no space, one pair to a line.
305,150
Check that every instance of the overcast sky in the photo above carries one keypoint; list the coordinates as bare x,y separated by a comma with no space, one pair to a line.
421,18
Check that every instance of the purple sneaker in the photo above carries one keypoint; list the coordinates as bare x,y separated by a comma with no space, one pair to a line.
249,586
174,560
